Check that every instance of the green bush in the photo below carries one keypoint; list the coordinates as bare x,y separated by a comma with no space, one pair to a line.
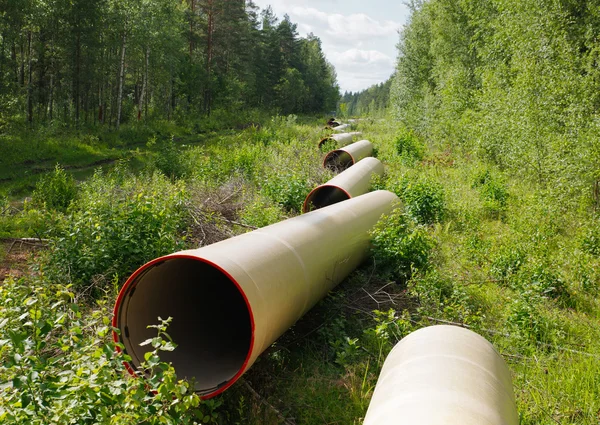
59,365
120,223
287,189
260,213
401,246
409,147
506,263
440,297
529,322
55,191
168,158
590,240
493,193
423,197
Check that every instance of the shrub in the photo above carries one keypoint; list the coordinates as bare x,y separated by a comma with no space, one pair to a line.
55,191
493,193
507,263
423,198
529,322
59,365
409,147
260,213
401,246
590,240
168,158
121,222
287,189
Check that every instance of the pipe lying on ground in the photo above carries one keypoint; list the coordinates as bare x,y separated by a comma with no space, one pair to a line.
341,159
342,127
231,300
443,375
353,182
339,139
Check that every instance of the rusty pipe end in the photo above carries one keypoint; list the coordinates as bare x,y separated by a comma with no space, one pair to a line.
338,160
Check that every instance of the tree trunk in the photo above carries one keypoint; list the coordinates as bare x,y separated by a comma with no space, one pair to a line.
121,79
144,84
209,56
29,83
76,83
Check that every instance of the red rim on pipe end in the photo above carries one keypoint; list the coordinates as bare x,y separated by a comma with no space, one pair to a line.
194,296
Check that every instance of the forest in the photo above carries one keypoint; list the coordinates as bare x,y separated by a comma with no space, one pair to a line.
115,61
131,130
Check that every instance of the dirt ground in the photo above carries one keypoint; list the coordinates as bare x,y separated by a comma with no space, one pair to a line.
15,255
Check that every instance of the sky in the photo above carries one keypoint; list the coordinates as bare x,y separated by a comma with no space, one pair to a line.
359,37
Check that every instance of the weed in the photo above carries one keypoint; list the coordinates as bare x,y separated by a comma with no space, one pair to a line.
423,198
55,191
409,147
120,223
401,246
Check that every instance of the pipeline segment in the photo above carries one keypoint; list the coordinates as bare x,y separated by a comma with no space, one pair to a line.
339,139
341,159
231,300
340,128
443,375
353,182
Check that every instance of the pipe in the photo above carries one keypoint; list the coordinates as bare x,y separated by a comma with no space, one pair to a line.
339,139
341,159
231,300
443,375
340,128
353,182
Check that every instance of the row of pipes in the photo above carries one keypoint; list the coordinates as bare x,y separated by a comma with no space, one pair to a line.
231,300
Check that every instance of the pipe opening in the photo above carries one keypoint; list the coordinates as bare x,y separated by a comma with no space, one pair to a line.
324,196
211,324
338,160
327,144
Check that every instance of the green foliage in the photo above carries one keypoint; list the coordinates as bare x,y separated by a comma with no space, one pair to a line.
400,246
493,193
169,159
530,323
507,263
288,190
55,191
261,213
409,147
590,239
439,296
119,223
423,198
60,365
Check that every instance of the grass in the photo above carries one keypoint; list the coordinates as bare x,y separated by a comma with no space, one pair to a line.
509,259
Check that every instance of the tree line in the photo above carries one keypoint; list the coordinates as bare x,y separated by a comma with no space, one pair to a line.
110,61
514,81
373,101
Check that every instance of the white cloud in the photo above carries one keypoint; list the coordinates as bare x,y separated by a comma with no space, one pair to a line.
354,27
360,45
356,57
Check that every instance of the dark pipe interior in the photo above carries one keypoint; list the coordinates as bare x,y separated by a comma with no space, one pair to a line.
211,323
338,160
324,196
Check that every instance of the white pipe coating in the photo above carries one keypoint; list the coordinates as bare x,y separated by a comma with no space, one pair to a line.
443,375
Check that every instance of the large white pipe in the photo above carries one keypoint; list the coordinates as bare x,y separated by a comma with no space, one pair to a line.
443,375
353,182
342,158
231,300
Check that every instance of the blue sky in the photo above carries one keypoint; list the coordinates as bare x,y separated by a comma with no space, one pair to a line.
359,37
